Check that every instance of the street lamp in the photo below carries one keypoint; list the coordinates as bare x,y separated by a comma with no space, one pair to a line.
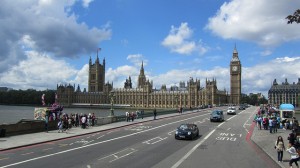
111,95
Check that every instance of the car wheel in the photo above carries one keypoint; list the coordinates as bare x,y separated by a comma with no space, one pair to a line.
210,120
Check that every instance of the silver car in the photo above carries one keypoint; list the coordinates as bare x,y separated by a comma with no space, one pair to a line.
217,115
231,110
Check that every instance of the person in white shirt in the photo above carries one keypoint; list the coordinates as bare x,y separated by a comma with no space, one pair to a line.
294,155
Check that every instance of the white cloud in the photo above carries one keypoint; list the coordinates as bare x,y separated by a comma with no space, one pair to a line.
179,41
44,26
137,59
38,71
259,21
86,3
119,75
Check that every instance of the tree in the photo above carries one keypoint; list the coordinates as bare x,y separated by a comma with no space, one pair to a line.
294,18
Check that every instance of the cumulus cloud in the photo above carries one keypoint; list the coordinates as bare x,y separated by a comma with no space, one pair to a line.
38,71
119,75
44,26
259,21
86,3
179,41
137,59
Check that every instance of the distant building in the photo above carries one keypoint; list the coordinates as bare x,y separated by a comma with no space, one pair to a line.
189,94
5,89
284,93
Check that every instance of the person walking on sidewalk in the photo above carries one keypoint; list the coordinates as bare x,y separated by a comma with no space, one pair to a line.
271,124
279,146
259,120
294,155
142,114
154,114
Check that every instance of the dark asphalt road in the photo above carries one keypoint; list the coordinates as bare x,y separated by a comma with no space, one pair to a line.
151,144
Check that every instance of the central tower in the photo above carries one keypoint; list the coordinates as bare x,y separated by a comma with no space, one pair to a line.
235,78
96,77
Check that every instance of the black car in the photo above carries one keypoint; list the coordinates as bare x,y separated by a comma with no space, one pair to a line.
187,131
242,107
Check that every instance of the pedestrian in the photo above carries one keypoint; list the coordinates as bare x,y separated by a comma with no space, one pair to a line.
295,126
279,146
83,121
132,115
154,113
294,155
137,114
255,119
259,119
46,123
271,125
60,126
93,119
292,138
274,123
265,123
142,114
127,116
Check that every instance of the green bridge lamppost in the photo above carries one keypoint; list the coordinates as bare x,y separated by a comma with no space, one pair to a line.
112,95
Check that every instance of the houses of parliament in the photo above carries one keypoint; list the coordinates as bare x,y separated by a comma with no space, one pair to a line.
188,94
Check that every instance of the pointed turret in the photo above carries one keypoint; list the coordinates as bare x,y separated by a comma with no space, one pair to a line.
235,56
90,62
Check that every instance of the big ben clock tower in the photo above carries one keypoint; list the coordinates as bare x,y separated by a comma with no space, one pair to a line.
235,78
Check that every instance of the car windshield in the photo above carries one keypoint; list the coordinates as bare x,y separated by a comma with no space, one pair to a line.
185,126
231,108
216,112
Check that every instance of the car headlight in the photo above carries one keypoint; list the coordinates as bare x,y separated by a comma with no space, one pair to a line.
176,132
189,133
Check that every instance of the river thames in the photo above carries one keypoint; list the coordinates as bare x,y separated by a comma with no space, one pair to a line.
13,114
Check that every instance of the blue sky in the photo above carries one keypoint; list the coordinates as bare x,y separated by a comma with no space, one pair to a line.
49,42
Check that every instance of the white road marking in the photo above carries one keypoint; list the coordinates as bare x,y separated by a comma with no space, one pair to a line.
122,153
27,153
4,158
154,140
193,149
200,122
171,132
47,149
100,136
101,142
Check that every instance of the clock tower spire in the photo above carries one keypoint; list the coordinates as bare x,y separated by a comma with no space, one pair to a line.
235,78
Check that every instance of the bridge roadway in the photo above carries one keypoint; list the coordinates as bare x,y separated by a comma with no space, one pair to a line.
151,144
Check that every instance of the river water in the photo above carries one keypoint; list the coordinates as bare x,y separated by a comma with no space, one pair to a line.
13,114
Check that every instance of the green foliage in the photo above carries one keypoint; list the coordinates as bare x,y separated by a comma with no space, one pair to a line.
254,100
29,97
294,18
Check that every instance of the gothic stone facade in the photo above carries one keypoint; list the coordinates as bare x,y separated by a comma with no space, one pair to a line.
144,96
284,93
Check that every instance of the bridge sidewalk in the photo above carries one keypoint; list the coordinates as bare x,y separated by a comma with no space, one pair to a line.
266,141
12,142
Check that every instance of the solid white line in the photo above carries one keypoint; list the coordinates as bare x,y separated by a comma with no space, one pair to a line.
69,150
193,149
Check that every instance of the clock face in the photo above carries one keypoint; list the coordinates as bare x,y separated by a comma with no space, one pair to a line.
234,68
